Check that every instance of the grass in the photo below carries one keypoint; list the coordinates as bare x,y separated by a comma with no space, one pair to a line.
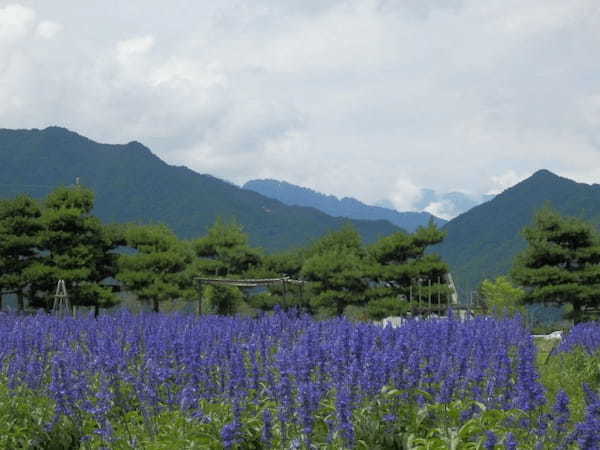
567,371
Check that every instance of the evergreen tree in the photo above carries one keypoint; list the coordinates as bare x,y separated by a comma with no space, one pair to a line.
337,270
561,263
225,253
399,261
20,228
76,248
160,268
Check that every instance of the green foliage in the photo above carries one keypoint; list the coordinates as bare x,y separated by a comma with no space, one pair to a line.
76,248
561,263
342,273
161,269
23,419
20,228
379,424
224,299
568,371
346,238
380,308
501,297
225,250
399,261
285,263
337,271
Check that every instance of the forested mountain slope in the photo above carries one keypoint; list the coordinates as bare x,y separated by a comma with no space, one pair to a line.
483,242
134,185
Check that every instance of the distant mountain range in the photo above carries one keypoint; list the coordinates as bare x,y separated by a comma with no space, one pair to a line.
483,242
445,205
134,185
291,194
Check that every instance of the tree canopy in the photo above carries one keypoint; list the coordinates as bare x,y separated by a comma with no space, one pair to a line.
225,252
76,247
501,297
61,239
20,227
160,268
561,263
399,262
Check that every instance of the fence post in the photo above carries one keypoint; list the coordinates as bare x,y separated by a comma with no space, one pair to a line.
429,297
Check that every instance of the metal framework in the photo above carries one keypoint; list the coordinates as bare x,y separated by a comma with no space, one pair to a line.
244,282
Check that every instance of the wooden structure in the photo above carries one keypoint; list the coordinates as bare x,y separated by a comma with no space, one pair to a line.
244,282
62,306
423,304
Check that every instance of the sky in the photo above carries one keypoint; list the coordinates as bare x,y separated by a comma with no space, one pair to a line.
374,99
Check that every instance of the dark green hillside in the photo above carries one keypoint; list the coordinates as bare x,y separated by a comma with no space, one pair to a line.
290,194
133,184
483,242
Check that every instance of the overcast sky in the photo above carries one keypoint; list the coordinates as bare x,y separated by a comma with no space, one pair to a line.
374,99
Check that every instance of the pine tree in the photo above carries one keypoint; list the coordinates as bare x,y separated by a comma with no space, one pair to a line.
561,263
77,248
399,261
160,268
20,228
225,252
337,271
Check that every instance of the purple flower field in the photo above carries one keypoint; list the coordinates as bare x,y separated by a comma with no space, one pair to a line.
300,380
585,335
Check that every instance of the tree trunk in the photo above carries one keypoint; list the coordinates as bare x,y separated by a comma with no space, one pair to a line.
20,301
340,307
576,313
96,311
155,306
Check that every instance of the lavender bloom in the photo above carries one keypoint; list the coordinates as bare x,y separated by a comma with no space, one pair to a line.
491,440
294,364
229,434
587,433
561,412
510,443
585,335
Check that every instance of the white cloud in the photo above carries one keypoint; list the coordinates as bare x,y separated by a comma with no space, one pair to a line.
16,22
48,29
443,209
367,98
505,180
135,46
405,194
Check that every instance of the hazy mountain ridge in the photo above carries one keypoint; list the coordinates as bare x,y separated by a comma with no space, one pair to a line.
292,194
134,185
483,242
448,204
